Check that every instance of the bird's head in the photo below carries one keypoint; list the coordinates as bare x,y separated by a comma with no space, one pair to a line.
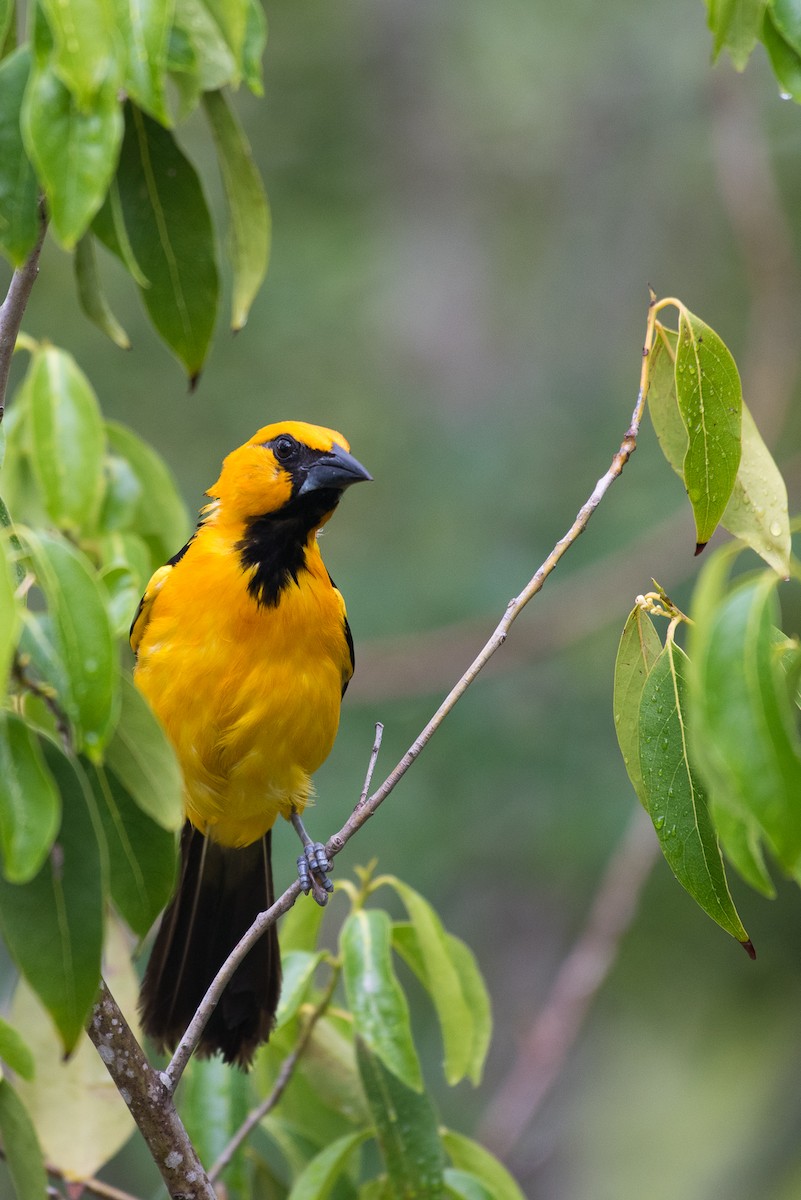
284,465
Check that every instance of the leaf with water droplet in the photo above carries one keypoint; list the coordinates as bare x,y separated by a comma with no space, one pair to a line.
710,399
638,651
672,789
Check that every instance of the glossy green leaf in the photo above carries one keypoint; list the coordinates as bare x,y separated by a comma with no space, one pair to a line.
253,47
757,511
91,296
405,1126
109,227
784,57
247,205
329,1071
160,517
87,49
380,1011
170,232
83,638
53,925
710,402
745,736
145,26
317,1180
80,1118
638,651
786,16
14,1052
741,842
142,855
735,25
467,1155
214,64
674,797
125,569
30,808
43,660
74,152
21,1148
455,986
144,761
68,441
122,495
19,193
297,970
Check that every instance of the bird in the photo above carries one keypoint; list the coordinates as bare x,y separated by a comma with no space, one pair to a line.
243,650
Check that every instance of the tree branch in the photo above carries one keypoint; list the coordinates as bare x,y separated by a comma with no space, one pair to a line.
367,807
150,1102
13,307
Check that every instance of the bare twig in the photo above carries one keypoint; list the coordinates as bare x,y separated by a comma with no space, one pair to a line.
365,809
13,308
150,1102
541,1055
368,779
282,1079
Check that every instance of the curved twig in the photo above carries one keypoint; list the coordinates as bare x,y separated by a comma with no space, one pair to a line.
13,307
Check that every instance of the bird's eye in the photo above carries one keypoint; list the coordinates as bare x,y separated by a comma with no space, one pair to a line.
285,448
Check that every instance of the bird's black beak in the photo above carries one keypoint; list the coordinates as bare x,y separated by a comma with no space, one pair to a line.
335,469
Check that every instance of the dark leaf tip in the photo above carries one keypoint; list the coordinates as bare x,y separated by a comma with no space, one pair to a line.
748,946
699,546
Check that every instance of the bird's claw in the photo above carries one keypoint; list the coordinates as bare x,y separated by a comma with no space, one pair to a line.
313,868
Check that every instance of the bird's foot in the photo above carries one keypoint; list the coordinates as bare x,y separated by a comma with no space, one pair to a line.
313,865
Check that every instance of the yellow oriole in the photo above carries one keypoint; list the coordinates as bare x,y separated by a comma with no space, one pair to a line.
243,649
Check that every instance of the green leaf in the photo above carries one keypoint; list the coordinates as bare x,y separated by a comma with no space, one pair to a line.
7,12
142,855
214,1101
784,57
297,970
122,496
465,1186
171,236
30,808
741,842
735,25
745,738
125,569
143,760
638,651
145,26
230,17
674,798
786,16
14,1052
757,512
467,1155
83,638
19,193
710,402
68,442
317,1180
91,296
214,64
109,227
160,516
247,205
455,986
38,649
87,48
10,609
300,928
405,1126
253,47
380,1011
20,1147
53,925
74,152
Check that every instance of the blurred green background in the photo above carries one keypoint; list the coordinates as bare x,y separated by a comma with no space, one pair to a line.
469,202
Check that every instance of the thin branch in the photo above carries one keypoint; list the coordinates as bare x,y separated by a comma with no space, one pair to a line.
284,1075
365,809
541,1056
368,778
95,1187
149,1100
13,307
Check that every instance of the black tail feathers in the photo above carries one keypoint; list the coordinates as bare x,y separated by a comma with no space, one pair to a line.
220,892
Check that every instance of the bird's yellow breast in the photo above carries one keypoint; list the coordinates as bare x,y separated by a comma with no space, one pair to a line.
249,695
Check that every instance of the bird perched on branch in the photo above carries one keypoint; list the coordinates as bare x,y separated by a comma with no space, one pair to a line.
244,651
